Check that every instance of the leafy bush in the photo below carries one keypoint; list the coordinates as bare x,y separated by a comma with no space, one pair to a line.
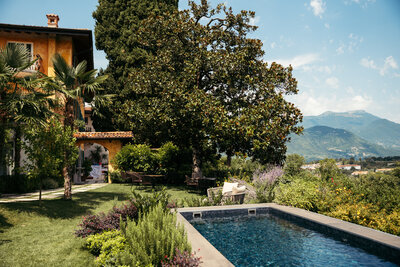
154,237
95,242
174,162
265,183
293,164
168,156
106,246
371,200
328,169
94,224
45,147
298,193
381,189
49,183
116,177
241,168
17,184
137,158
182,259
144,203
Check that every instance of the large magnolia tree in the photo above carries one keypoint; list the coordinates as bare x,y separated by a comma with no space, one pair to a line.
117,24
207,83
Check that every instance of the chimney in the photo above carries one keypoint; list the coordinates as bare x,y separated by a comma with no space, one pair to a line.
52,20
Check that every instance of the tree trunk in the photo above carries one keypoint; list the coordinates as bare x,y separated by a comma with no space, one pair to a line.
3,143
67,184
68,122
17,157
228,158
40,190
196,168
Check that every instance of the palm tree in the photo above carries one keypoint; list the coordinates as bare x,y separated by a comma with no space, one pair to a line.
73,84
22,98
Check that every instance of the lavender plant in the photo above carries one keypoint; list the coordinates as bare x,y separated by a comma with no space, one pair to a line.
265,183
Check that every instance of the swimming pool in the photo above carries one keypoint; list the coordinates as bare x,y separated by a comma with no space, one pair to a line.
273,235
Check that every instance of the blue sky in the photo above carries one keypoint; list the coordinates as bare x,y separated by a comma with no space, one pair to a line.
345,53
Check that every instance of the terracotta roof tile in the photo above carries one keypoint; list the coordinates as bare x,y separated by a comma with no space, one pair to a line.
103,135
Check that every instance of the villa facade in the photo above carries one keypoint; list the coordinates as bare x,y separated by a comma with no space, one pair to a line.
75,46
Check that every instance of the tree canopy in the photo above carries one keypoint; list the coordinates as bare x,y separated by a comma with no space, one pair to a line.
207,84
117,24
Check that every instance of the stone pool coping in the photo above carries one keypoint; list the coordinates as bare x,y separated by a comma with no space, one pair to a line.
384,242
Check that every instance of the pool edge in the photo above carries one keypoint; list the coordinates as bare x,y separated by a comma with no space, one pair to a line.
210,256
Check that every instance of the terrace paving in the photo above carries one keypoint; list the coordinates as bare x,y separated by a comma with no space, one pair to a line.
48,194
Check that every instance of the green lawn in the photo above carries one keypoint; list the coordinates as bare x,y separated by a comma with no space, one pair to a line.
33,235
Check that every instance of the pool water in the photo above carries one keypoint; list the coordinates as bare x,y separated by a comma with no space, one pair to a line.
270,241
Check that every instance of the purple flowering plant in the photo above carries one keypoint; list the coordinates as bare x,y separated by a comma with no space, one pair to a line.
265,182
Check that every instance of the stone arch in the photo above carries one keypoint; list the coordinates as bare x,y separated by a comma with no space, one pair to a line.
113,147
113,141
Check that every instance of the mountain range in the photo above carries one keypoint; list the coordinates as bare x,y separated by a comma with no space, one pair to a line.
346,134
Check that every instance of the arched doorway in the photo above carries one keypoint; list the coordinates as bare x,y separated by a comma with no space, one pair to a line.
111,141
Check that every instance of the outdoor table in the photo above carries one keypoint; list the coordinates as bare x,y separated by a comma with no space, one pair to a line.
152,179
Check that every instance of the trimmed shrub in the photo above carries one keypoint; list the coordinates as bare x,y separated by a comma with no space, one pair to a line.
154,237
94,224
138,158
106,246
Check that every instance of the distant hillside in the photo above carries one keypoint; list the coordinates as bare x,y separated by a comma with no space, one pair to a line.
382,132
370,127
321,142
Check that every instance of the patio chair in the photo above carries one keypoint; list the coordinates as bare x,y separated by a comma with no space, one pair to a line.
230,191
134,177
189,181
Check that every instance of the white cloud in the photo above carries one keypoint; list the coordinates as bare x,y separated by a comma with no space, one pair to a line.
332,82
340,49
368,63
254,21
321,69
327,25
350,90
362,3
312,104
389,64
273,45
389,61
299,61
318,7
351,44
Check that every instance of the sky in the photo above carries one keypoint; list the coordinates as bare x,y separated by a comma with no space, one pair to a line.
345,53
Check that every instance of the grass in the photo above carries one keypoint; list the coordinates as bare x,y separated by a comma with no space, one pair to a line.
43,235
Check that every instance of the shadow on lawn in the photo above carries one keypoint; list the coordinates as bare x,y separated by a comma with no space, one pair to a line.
4,224
80,205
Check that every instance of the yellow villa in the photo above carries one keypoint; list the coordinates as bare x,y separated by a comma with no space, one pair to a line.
74,45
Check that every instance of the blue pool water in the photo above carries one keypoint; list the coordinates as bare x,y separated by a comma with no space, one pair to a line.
271,241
